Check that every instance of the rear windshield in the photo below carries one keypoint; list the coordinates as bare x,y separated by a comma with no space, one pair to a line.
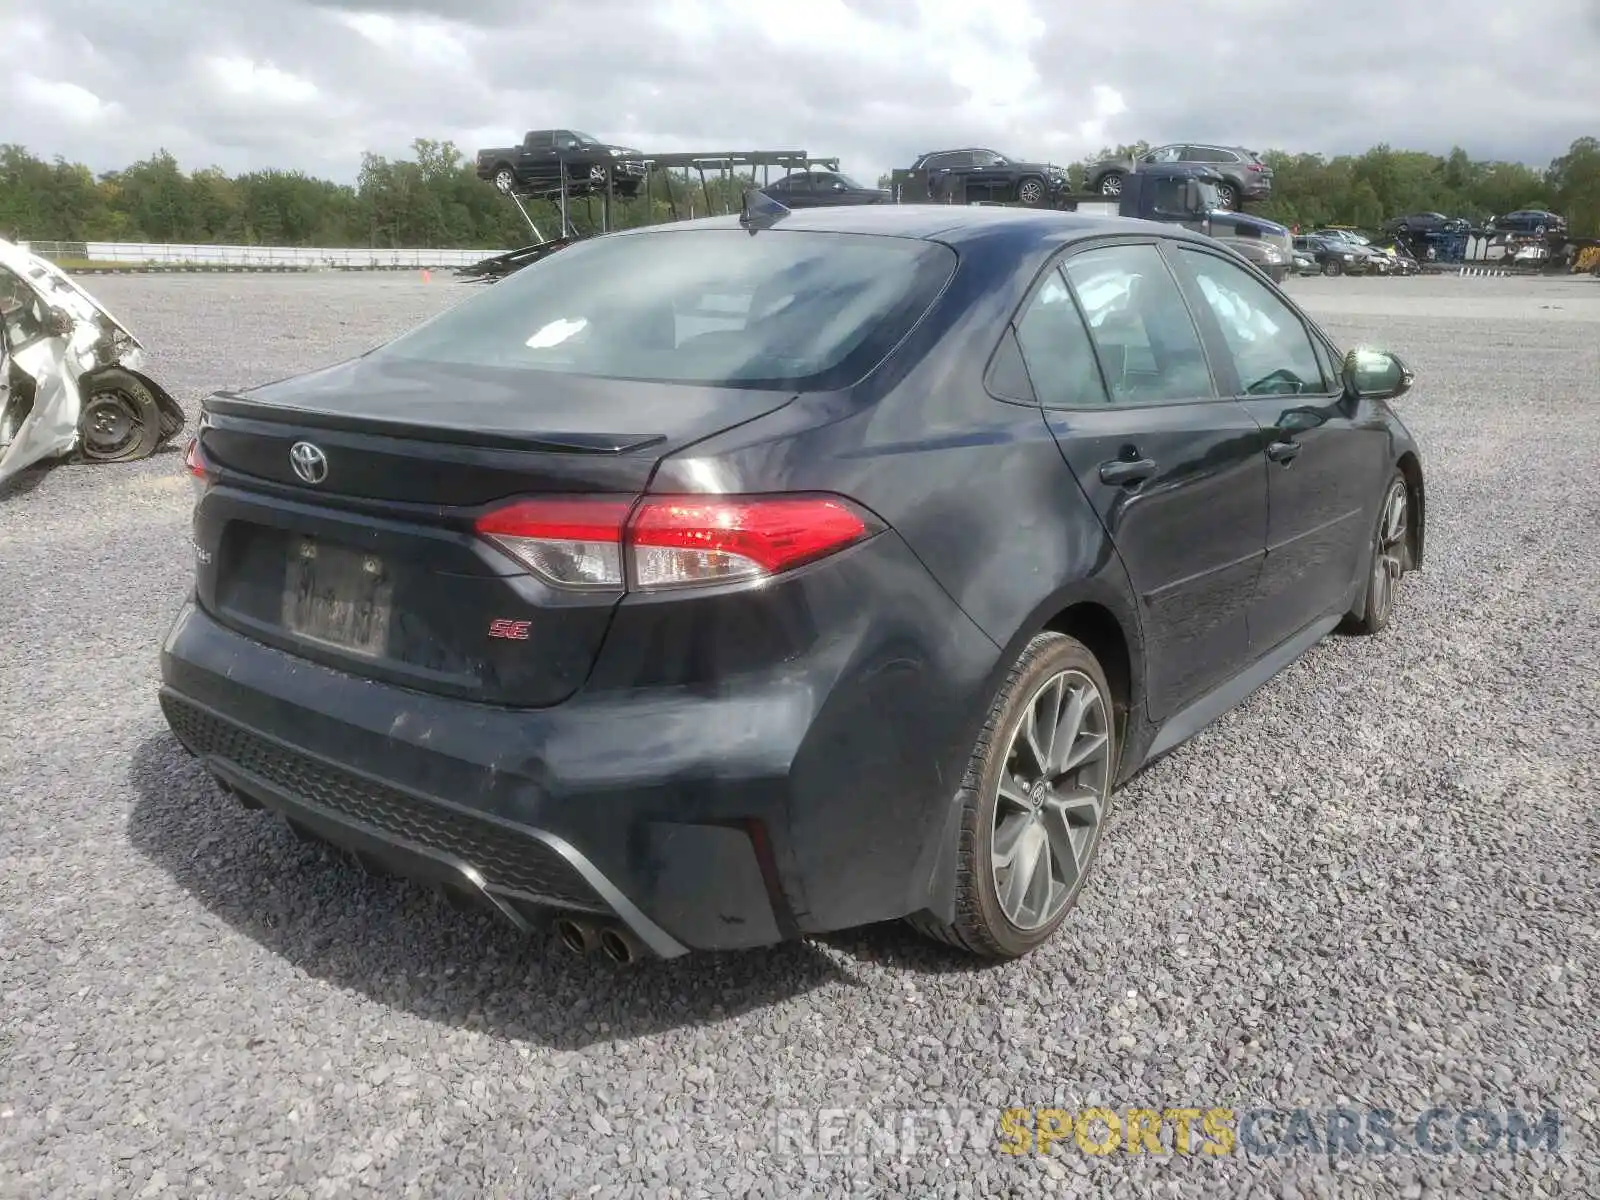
716,307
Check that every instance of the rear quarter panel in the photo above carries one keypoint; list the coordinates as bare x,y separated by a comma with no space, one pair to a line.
976,488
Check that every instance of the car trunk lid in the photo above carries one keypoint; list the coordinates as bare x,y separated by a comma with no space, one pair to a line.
370,562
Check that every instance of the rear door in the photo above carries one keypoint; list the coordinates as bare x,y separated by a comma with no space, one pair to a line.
793,190
948,176
989,177
1174,470
1326,455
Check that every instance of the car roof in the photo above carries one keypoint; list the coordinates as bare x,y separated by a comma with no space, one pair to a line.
953,224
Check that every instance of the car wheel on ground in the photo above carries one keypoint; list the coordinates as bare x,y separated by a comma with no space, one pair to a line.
120,419
1227,196
1333,267
504,179
1031,192
1111,184
1391,559
1035,797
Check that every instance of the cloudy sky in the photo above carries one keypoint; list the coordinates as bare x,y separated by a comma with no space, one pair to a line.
310,84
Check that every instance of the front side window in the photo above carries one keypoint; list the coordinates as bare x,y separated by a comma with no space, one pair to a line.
24,313
1149,349
1271,350
714,307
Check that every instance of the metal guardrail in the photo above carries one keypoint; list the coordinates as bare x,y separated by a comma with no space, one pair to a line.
282,258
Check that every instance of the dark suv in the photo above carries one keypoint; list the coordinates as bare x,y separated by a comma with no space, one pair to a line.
735,580
548,157
1245,176
988,175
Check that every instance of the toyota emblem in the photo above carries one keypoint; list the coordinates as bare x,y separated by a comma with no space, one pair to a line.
309,462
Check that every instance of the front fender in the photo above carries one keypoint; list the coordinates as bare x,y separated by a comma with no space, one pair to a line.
172,415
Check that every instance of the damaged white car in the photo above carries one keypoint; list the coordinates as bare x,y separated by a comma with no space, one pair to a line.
70,378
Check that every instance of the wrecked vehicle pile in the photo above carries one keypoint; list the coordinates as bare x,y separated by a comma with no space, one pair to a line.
70,378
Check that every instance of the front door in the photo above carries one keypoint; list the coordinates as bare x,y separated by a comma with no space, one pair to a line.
1325,454
1174,471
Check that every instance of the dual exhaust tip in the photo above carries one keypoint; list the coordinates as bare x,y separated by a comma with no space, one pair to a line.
584,937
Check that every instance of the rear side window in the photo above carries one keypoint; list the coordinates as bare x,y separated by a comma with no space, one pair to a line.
715,307
1056,347
1148,346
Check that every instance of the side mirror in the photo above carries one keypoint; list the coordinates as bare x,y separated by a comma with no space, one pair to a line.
1375,374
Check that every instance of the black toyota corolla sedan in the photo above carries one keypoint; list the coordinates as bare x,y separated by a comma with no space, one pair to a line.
752,577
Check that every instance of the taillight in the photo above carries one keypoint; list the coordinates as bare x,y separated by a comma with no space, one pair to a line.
194,461
1255,167
672,541
679,540
572,541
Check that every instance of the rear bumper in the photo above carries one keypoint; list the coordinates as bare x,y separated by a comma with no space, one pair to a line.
708,817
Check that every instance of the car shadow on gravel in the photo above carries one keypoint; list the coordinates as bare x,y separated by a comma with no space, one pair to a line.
399,944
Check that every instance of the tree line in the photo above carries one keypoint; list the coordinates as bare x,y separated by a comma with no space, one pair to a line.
434,199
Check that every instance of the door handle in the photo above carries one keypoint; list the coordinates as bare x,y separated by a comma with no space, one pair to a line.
1122,471
1283,452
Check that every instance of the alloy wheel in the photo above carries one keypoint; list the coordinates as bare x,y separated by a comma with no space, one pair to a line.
503,180
1053,789
1031,191
1111,185
1388,558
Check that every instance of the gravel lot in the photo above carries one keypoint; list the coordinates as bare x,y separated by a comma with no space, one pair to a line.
1375,884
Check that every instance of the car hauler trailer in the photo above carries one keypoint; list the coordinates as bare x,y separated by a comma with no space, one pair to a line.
675,178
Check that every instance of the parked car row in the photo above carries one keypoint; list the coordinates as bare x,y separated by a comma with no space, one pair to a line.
1343,251
1535,222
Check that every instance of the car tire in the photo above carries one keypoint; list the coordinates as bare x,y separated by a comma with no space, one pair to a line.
120,419
995,916
1110,184
505,178
1031,192
1228,197
1389,559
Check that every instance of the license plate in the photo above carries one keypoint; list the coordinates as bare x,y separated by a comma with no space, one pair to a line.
337,596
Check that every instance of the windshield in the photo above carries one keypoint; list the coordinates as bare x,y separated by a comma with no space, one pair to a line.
715,307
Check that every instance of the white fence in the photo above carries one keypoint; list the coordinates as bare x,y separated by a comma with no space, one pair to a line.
280,257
